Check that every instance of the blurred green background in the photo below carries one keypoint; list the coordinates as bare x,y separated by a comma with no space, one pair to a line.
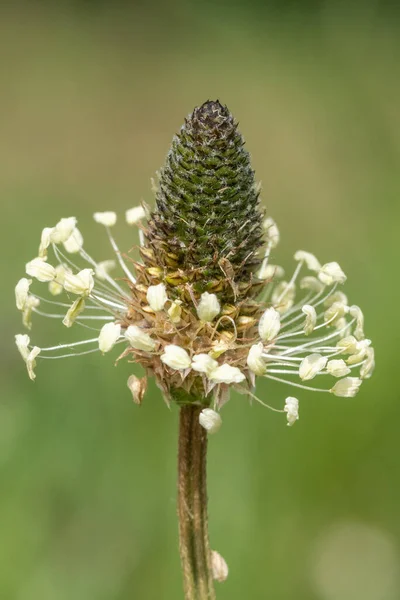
91,94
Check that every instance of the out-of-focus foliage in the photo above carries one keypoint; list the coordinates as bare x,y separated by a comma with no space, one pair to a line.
91,94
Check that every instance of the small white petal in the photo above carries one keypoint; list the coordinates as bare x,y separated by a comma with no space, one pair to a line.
41,270
21,292
103,269
311,318
357,313
311,283
63,230
203,363
349,345
31,362
347,387
227,374
139,339
134,215
331,273
337,296
272,232
362,349
74,243
175,311
269,325
157,296
337,368
107,218
22,341
255,361
334,312
210,420
74,311
369,364
270,272
219,567
81,284
292,410
109,334
30,303
45,241
176,357
311,261
311,365
208,307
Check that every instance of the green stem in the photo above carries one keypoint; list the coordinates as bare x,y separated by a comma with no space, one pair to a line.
192,507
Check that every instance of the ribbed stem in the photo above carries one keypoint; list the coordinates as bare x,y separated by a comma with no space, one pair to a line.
192,507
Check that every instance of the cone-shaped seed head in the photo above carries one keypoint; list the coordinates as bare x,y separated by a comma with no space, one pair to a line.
207,213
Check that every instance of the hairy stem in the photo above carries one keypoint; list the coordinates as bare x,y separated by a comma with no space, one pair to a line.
192,507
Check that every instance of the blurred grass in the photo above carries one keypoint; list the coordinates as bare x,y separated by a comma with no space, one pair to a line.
91,96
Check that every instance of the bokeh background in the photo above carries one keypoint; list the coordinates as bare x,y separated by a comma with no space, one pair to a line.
91,94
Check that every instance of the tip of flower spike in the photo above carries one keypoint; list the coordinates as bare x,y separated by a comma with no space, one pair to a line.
212,114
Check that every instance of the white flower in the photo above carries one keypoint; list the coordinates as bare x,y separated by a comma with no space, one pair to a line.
175,311
139,339
272,231
74,311
176,357
337,368
81,284
107,218
74,243
311,318
362,349
31,362
208,307
210,420
45,241
22,341
135,215
219,567
334,312
157,297
311,261
203,363
40,269
331,273
29,356
292,410
311,283
255,361
227,374
103,269
269,324
337,296
311,365
270,272
357,313
348,344
347,387
368,365
21,292
62,231
109,334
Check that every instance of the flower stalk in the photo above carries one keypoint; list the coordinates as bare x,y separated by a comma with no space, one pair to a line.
192,506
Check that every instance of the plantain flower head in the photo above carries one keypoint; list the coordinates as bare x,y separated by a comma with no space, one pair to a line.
202,310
